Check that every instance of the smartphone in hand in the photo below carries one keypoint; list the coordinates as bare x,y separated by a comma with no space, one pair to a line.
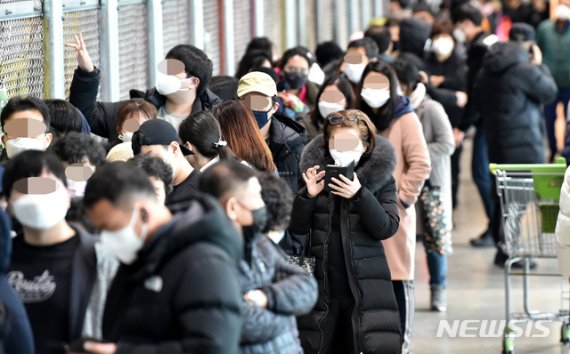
332,171
77,345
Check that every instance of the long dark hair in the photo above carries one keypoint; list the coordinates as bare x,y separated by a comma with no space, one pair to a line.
202,130
240,130
344,87
385,114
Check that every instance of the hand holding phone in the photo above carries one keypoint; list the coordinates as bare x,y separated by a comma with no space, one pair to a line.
333,171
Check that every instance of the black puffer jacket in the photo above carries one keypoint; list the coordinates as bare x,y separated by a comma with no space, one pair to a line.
182,294
286,142
365,220
102,116
509,92
290,290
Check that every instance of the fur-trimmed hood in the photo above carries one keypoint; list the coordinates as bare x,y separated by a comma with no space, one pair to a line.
373,170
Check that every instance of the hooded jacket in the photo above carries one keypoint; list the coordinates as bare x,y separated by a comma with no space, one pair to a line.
413,36
365,220
15,331
286,142
509,92
182,294
290,290
102,116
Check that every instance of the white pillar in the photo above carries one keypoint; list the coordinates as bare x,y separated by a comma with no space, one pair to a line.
109,57
53,12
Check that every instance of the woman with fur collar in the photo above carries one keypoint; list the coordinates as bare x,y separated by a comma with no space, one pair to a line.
356,311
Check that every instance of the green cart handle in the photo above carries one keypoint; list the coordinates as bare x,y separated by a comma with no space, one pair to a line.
558,167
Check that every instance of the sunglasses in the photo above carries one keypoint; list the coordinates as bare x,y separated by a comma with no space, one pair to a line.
337,119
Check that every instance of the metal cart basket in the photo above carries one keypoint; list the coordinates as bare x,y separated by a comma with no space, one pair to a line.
529,196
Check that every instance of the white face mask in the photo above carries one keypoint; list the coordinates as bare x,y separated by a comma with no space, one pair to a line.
41,211
344,158
126,137
76,188
562,12
124,243
169,84
459,35
276,236
354,72
326,108
375,98
442,47
18,145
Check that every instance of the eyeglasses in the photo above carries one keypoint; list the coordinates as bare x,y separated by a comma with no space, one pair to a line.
337,119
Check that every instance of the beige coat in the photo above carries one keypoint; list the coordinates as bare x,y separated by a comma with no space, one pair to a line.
412,169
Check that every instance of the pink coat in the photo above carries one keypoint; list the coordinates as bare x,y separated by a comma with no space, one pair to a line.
413,167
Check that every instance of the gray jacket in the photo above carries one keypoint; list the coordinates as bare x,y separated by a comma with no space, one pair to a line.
290,290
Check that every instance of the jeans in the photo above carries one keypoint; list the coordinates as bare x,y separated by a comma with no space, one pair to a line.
481,174
437,266
550,117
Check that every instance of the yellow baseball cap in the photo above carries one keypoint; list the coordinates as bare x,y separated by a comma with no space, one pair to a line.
258,82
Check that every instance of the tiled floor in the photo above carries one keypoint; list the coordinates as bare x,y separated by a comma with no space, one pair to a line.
476,289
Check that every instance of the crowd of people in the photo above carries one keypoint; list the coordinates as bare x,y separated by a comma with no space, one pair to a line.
277,210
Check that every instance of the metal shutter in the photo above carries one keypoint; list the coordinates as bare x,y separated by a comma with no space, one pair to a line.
87,22
273,24
242,28
175,23
342,22
311,23
212,33
326,20
133,48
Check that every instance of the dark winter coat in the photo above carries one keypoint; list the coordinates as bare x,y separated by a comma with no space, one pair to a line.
509,92
15,331
367,219
454,70
413,36
286,142
290,290
476,51
102,116
182,294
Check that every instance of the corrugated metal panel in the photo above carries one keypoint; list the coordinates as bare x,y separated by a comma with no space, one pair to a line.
342,24
133,48
22,57
326,20
175,23
273,23
311,23
242,27
88,23
212,33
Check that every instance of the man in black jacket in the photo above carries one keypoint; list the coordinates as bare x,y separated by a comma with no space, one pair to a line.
177,289
468,20
284,136
510,90
181,89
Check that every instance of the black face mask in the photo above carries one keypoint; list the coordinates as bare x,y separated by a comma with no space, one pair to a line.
295,80
259,221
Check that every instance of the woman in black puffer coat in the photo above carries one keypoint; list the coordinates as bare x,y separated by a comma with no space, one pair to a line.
356,311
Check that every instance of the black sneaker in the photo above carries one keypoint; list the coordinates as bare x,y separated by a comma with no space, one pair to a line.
483,241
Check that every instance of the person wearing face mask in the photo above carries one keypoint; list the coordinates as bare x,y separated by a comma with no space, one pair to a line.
274,290
285,137
394,118
180,89
334,95
553,38
201,134
81,155
358,54
177,288
131,114
351,266
158,138
295,89
447,85
25,123
57,269
468,21
439,138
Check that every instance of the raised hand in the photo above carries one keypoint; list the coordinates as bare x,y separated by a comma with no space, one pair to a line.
83,59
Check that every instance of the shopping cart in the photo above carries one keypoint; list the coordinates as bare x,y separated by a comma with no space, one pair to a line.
529,197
